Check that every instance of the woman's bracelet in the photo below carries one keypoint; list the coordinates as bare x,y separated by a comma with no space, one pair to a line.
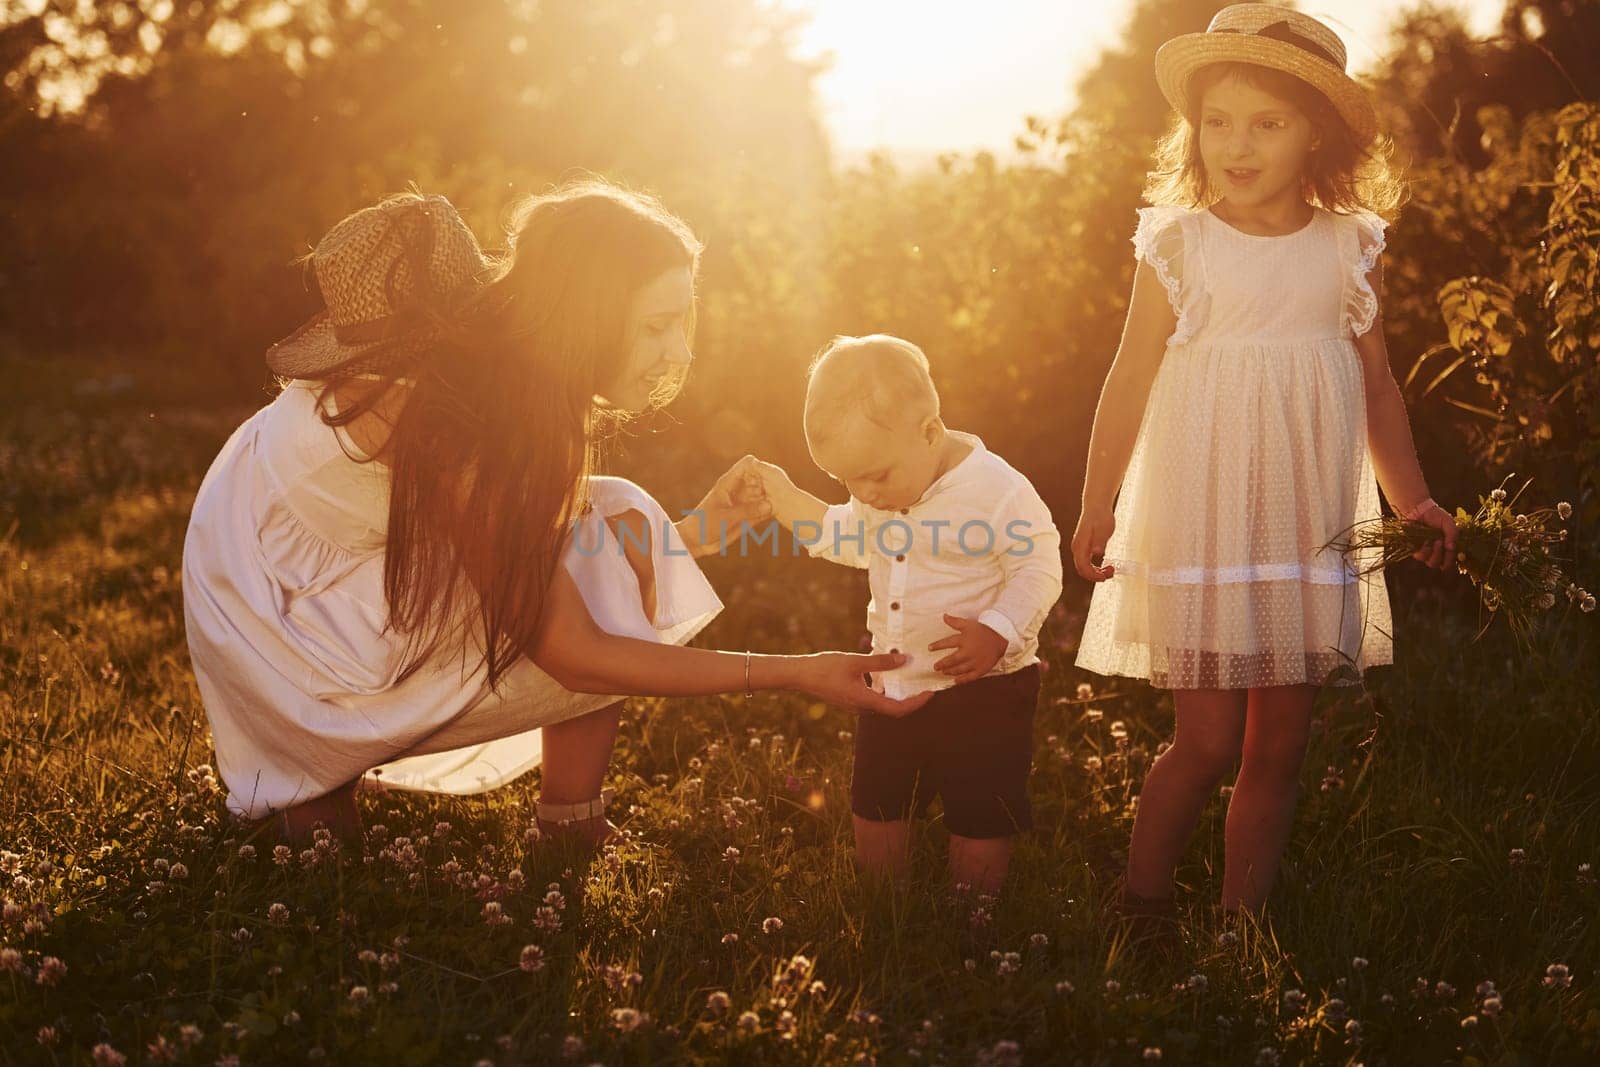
747,690
1416,511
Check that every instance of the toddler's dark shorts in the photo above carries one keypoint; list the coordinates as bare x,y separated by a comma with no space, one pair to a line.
971,745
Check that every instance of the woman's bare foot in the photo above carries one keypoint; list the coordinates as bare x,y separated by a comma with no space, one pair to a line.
338,811
589,835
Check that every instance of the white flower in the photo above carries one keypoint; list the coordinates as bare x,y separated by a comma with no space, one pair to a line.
1498,494
51,971
749,1022
359,994
1556,976
771,924
532,959
1564,509
277,914
628,1019
718,1002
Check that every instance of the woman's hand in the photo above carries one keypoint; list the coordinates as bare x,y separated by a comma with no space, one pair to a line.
1089,540
738,497
840,678
1439,553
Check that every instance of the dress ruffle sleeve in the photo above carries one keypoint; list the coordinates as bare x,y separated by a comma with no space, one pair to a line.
1168,239
1361,242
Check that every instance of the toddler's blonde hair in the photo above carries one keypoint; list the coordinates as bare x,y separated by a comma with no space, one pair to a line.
879,377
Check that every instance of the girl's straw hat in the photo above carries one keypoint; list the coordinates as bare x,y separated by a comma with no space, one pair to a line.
389,275
1268,36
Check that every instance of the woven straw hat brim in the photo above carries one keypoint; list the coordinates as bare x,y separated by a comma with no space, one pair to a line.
1179,59
314,350
393,277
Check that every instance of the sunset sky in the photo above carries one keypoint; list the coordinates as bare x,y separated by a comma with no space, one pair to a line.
926,75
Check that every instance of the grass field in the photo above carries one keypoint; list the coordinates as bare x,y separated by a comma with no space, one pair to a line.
1438,902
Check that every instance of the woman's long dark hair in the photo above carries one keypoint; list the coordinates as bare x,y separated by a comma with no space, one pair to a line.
489,456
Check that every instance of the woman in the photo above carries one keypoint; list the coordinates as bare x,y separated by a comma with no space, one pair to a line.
403,567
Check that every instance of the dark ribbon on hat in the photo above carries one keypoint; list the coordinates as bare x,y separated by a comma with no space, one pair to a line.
416,243
1282,31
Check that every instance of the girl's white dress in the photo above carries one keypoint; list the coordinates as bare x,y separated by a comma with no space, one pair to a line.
1252,456
285,612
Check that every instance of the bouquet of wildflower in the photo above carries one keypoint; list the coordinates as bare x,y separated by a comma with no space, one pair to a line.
1508,555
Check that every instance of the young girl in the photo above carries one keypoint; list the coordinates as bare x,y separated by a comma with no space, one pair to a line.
1247,415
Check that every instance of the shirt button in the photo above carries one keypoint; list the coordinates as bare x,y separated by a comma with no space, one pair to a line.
895,606
894,652
905,511
900,558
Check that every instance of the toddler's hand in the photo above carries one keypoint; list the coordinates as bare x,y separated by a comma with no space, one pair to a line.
737,497
772,479
977,649
1089,540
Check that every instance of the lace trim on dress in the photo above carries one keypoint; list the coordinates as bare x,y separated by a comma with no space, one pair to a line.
1163,239
1361,304
1252,572
1153,223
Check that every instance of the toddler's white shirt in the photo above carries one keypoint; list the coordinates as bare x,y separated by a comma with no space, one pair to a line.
979,543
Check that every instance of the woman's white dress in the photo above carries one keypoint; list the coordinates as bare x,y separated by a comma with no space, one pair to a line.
1252,455
285,612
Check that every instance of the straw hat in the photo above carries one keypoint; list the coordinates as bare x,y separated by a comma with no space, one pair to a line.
388,275
1269,36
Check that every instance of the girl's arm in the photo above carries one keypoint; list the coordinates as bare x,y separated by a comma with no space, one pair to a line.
580,656
1150,322
1394,455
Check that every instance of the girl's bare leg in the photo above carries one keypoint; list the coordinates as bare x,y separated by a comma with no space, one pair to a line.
1261,812
1206,741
